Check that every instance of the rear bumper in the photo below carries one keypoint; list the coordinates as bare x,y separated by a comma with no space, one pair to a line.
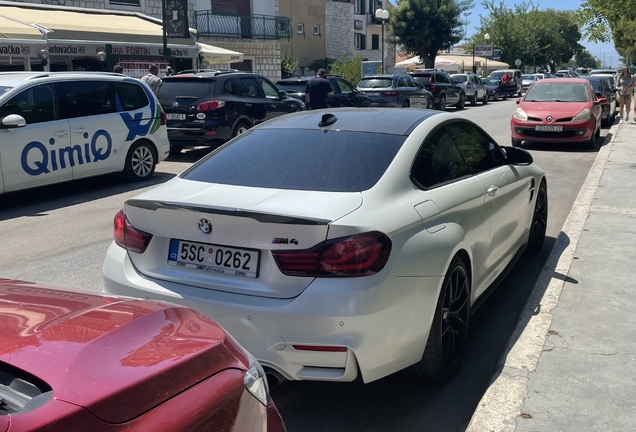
382,320
207,135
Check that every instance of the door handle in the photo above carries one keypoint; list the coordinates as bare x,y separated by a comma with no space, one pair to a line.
79,130
272,106
492,190
60,133
248,104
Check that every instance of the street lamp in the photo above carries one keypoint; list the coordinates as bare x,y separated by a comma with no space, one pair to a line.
487,37
101,58
44,56
382,14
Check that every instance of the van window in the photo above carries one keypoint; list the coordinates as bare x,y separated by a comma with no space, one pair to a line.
131,96
35,105
88,98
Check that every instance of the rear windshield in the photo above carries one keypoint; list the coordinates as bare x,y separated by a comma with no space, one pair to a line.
422,79
496,81
497,74
553,92
173,89
294,87
459,78
375,82
297,159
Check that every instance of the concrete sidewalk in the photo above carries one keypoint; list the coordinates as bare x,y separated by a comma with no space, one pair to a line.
570,365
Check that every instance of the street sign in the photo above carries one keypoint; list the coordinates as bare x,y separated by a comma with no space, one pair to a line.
496,54
518,62
483,50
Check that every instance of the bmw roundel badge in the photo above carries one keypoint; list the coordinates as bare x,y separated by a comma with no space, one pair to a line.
205,226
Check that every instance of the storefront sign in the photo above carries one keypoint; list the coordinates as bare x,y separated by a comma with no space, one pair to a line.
177,19
90,49
19,49
483,50
357,24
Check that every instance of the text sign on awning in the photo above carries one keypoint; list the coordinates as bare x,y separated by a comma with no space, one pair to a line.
89,49
19,49
483,50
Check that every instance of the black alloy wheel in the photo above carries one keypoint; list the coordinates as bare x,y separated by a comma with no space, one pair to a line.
462,101
366,104
429,103
240,128
473,99
406,104
442,103
449,329
485,100
539,220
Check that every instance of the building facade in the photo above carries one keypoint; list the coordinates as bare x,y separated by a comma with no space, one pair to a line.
368,32
339,29
307,20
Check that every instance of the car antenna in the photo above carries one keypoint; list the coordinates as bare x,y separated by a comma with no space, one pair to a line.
327,120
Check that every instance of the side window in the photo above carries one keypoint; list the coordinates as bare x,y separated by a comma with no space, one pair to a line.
271,92
36,105
438,161
402,83
88,98
441,78
232,86
333,82
475,146
250,87
131,96
345,87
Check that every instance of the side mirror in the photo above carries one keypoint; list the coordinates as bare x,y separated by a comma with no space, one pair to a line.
13,121
517,156
282,94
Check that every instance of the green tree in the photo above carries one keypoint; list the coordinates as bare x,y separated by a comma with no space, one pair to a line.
585,59
424,27
288,65
321,63
350,68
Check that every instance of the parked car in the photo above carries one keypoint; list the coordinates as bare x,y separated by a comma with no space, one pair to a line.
76,361
60,126
558,110
602,88
444,90
395,90
473,86
210,108
541,76
527,80
345,94
495,87
333,245
513,87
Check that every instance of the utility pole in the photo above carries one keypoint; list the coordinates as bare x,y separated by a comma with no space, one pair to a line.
466,15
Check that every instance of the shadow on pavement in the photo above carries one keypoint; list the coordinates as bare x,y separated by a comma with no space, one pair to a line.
568,147
402,402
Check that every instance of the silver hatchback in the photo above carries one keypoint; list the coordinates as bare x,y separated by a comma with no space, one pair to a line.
474,87
395,90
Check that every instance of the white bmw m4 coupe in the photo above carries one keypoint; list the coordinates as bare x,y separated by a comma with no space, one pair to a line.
337,244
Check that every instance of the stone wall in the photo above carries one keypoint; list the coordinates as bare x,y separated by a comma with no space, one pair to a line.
339,30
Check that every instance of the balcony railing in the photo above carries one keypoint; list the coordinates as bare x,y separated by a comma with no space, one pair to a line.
247,26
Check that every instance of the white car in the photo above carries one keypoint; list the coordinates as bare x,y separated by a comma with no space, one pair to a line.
337,243
56,127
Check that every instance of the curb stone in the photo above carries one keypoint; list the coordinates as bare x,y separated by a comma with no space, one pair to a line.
498,409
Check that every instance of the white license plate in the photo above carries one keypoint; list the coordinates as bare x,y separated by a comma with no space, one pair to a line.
176,116
548,128
373,93
214,258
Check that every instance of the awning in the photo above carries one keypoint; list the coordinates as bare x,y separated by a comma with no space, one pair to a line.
10,29
18,39
213,55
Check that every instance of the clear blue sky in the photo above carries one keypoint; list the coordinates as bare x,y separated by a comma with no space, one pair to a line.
604,52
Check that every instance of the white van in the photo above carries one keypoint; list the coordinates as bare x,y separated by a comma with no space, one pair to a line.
62,126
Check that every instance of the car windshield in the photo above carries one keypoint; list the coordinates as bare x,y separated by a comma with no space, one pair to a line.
495,81
292,86
299,159
375,82
497,74
556,92
186,88
596,84
459,78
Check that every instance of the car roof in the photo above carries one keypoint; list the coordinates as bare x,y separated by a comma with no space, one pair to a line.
17,78
373,120
564,80
386,75
301,78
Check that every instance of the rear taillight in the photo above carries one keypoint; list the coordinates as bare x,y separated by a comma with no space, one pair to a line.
210,105
432,88
390,93
164,118
357,255
127,236
467,85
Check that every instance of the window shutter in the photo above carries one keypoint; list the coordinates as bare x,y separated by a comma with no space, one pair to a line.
363,42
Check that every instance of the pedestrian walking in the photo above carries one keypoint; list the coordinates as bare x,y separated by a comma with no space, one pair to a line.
625,89
118,69
152,79
317,91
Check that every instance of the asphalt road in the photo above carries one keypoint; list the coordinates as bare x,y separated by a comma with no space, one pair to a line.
58,236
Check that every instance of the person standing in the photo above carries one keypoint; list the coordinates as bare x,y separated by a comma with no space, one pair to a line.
317,91
152,79
625,89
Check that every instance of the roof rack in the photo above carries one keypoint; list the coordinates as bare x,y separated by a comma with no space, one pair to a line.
48,74
208,71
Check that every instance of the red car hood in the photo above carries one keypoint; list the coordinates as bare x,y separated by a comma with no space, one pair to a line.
555,109
118,358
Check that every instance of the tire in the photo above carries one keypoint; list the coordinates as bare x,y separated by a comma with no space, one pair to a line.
429,104
589,144
539,220
175,149
406,104
485,99
141,161
442,103
496,96
449,330
515,142
505,98
462,102
366,104
241,127
473,99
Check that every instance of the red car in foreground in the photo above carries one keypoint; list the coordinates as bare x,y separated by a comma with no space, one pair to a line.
74,361
558,110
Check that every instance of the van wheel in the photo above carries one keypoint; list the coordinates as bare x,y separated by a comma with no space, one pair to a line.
140,161
449,329
240,128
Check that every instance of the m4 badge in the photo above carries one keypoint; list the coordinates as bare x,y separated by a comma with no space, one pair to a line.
279,240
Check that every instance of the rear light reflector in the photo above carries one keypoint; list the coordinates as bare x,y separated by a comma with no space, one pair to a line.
357,255
128,236
390,93
320,348
210,132
210,105
164,118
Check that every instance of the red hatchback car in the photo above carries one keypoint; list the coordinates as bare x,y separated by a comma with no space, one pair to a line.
558,110
74,361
